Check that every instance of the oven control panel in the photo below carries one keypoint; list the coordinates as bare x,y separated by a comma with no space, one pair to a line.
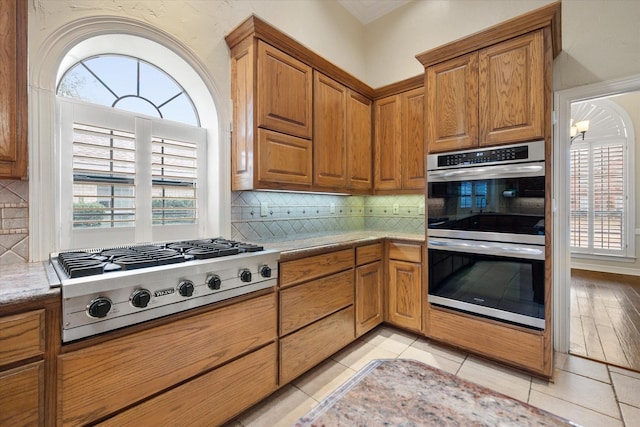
484,156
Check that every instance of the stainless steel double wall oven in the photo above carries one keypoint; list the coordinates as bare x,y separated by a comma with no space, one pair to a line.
486,234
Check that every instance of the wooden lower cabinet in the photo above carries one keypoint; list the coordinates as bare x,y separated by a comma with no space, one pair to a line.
404,292
369,297
98,381
509,344
22,396
304,349
210,399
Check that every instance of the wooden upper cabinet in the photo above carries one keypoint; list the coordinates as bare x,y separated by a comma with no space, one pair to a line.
388,151
489,97
284,92
512,90
399,141
330,132
413,152
359,143
283,159
452,104
13,86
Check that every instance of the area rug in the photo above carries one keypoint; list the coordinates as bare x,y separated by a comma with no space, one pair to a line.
407,393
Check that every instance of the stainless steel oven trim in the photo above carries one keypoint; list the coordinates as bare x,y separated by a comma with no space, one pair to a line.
488,311
502,249
475,172
529,239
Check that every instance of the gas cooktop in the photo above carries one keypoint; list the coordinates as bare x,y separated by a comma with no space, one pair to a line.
107,289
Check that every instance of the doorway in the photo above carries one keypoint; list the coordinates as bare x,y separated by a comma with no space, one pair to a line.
591,293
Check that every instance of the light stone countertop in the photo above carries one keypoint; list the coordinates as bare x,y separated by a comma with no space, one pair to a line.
25,282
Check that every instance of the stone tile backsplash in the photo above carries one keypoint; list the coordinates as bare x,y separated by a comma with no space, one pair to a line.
14,221
301,215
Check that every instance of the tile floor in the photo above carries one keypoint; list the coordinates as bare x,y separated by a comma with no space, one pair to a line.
586,392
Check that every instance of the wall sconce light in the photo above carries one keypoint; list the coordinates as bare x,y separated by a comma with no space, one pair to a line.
580,128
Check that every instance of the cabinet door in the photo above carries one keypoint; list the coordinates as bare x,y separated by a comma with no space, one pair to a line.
330,138
22,396
452,104
359,144
388,150
512,90
368,297
413,143
284,92
13,86
283,159
405,294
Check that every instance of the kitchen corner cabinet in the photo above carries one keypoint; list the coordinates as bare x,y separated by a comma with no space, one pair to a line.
342,136
399,142
13,86
272,120
369,292
492,96
316,310
404,294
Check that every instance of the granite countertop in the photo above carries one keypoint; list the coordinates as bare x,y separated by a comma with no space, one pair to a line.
309,246
23,282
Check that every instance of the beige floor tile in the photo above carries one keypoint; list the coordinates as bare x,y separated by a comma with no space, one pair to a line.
431,359
281,409
359,353
576,413
439,349
581,366
626,372
390,339
580,390
630,415
496,377
323,379
627,389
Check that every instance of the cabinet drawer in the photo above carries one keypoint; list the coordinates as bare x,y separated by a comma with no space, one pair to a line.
306,348
309,268
306,303
22,396
369,253
99,380
210,399
21,336
405,252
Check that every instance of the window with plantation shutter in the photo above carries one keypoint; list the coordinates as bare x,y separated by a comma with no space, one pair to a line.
601,216
128,178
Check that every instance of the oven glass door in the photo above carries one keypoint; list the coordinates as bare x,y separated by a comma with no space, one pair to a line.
495,280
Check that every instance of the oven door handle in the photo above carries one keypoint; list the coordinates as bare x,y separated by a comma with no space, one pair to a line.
487,172
489,248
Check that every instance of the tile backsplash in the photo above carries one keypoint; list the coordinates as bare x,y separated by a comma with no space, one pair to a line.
14,221
272,216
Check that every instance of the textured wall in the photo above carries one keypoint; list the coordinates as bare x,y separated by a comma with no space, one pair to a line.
14,221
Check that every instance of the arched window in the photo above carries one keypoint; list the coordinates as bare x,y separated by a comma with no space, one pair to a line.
133,154
601,184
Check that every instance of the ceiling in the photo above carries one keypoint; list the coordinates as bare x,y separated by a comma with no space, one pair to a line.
369,10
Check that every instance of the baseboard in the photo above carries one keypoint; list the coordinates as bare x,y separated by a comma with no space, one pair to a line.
605,269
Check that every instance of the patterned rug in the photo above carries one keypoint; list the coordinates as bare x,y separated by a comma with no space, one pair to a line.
398,392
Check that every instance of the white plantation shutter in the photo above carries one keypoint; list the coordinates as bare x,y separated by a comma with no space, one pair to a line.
598,197
127,178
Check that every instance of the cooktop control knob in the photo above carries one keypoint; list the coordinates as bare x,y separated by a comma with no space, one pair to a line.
140,298
99,307
265,271
245,275
186,288
214,282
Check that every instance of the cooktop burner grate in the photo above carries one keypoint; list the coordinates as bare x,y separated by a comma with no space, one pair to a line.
89,263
